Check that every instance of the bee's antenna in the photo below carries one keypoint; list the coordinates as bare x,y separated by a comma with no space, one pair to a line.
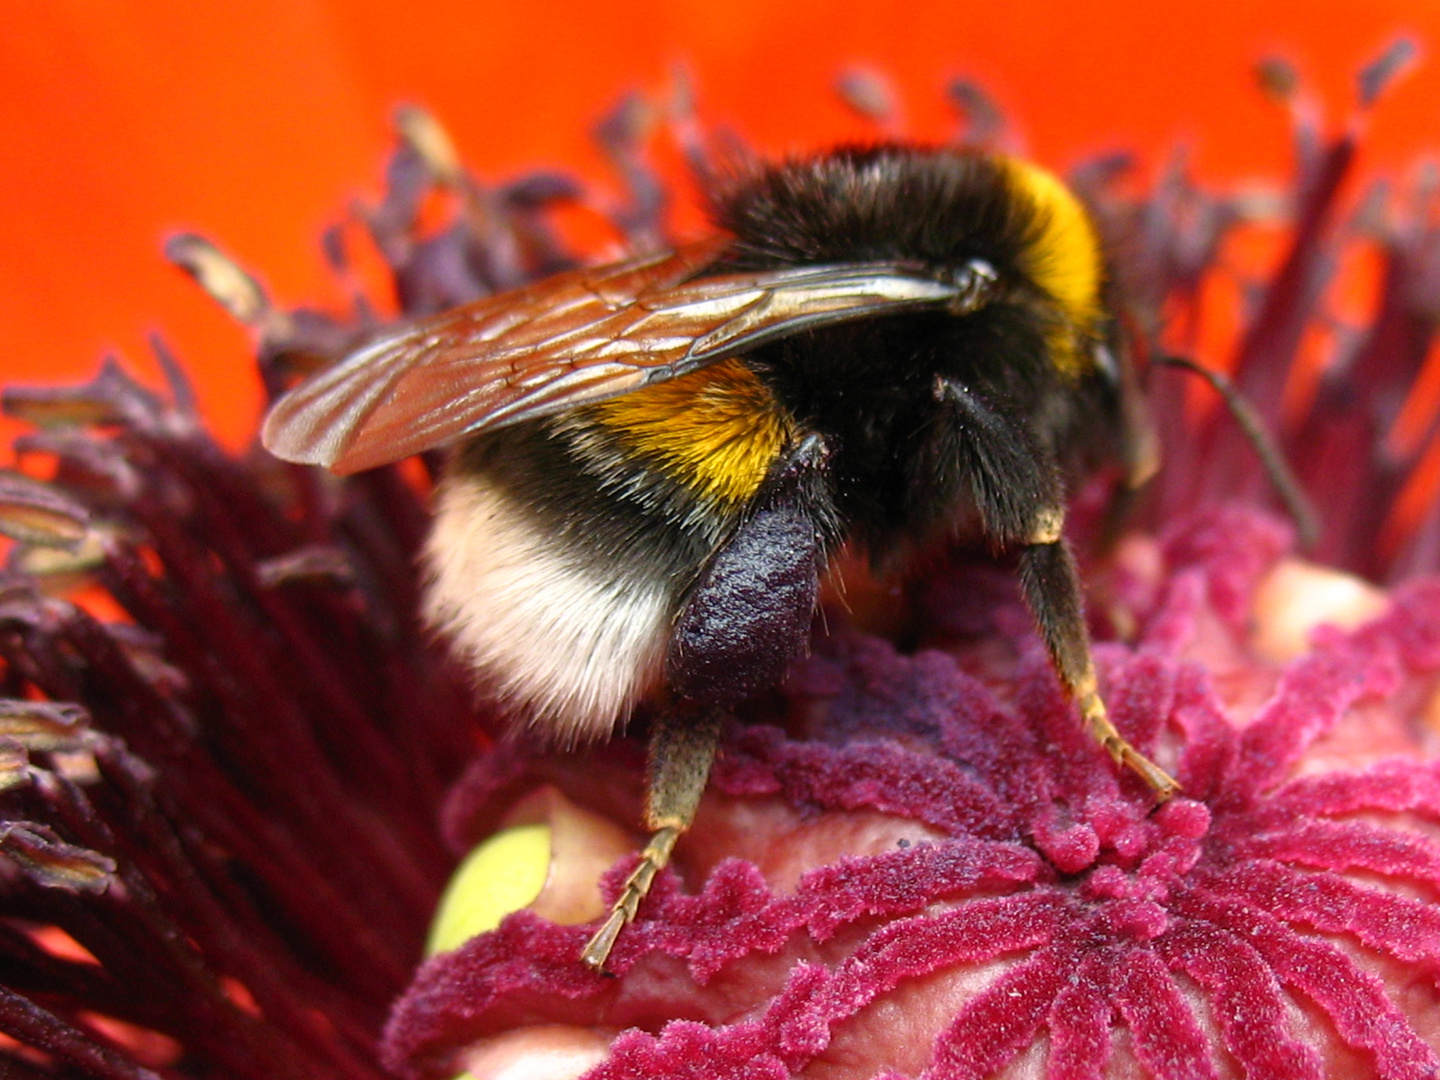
1297,505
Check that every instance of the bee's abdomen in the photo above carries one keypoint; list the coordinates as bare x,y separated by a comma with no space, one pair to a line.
715,432
563,549
568,636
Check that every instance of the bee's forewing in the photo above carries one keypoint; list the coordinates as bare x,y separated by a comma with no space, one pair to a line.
574,338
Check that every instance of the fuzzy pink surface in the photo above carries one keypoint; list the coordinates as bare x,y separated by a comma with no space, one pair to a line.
1018,906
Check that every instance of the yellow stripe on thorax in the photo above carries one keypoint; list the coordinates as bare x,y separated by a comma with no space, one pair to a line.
1064,258
716,430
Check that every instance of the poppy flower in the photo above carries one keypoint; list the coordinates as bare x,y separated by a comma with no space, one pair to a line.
234,781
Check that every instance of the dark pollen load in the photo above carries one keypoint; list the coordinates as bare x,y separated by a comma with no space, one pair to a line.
653,462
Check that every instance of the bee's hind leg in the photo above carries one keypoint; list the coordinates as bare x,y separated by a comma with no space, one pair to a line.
747,616
682,748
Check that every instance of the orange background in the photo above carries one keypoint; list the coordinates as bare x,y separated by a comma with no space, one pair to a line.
124,121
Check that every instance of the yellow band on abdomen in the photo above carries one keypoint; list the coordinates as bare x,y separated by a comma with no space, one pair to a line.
716,430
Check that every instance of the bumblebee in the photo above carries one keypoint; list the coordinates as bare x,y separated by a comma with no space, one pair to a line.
889,349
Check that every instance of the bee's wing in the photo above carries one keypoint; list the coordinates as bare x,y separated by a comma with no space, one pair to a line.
577,337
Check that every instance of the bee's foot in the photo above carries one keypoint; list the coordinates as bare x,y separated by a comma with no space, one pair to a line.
622,912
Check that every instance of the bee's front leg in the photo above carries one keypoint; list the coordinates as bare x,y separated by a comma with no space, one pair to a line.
747,617
1051,585
1016,489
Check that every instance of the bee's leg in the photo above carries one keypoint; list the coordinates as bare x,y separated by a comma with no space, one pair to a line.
1118,512
1017,491
1051,586
1139,442
682,746
745,619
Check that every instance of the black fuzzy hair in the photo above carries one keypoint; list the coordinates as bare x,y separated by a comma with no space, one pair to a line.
935,206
